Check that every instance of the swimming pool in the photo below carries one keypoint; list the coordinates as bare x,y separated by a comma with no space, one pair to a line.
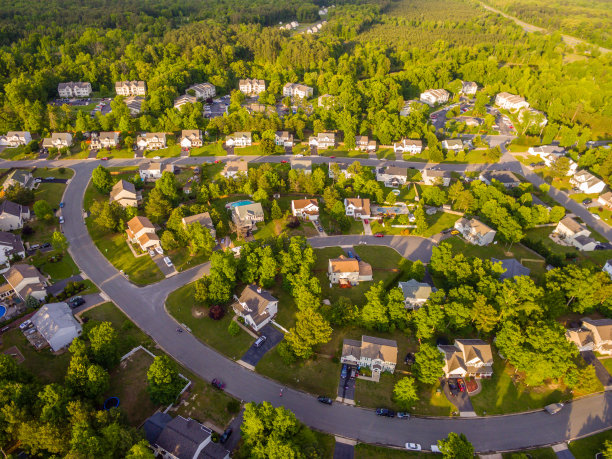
240,203
2,311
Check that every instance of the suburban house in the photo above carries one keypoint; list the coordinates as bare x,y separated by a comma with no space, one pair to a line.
141,231
377,354
297,90
348,271
606,199
134,104
100,140
435,177
256,306
467,357
513,268
304,165
248,215
575,234
22,177
13,215
408,146
152,140
10,245
546,150
364,144
587,182
510,102
506,178
57,140
434,96
24,280
232,169
130,88
239,139
357,208
343,170
415,293
183,100
191,138
181,438
593,335
283,139
57,325
203,90
203,219
608,268
124,193
469,88
550,160
74,89
323,140
154,170
452,144
475,232
16,138
253,86
308,209
392,176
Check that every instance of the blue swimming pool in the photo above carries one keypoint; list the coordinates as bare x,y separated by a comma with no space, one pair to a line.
240,203
2,311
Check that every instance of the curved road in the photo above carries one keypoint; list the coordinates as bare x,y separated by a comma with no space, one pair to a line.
145,306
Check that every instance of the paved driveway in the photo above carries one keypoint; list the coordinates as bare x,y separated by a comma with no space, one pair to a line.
346,386
57,288
461,400
344,451
163,267
602,374
254,354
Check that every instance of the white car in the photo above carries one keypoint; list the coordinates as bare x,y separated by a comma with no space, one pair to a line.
413,446
61,219
37,180
159,250
156,157
596,216
168,261
152,252
299,156
25,325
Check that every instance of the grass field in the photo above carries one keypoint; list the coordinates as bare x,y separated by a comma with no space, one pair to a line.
62,269
213,149
587,448
169,152
540,453
365,451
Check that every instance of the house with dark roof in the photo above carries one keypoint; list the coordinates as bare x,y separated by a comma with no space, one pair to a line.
21,177
512,268
392,176
247,216
57,325
10,245
593,335
12,215
467,357
506,178
256,306
377,354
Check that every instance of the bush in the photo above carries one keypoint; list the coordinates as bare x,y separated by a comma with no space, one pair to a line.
216,312
233,328
293,222
285,353
233,406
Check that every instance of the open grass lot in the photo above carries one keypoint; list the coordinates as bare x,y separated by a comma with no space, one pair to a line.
14,154
182,260
213,149
588,447
56,172
51,192
344,153
604,214
169,152
62,269
365,451
274,228
540,453
439,222
183,307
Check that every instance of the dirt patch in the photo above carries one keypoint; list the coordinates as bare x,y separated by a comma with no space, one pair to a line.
199,311
14,352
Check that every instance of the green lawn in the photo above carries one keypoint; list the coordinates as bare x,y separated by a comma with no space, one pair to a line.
540,453
472,157
604,214
56,172
62,269
588,447
579,197
116,153
169,152
182,259
385,153
365,451
344,153
607,363
51,192
355,228
212,149
439,222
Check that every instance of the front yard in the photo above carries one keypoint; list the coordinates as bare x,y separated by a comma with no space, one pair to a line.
58,270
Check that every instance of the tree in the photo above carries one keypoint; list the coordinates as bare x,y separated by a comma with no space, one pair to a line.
560,167
276,211
59,241
200,239
456,446
98,381
556,214
166,184
405,393
434,196
42,210
101,179
421,222
310,329
164,380
607,452
140,450
391,198
428,363
374,312
158,207
104,343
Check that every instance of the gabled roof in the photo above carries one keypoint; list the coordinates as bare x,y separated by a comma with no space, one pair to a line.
379,348
21,271
182,437
236,166
415,290
513,268
203,219
52,318
11,240
302,203
138,223
154,425
572,225
395,170
12,208
359,203
253,301
504,177
254,209
601,328
343,264
300,164
122,185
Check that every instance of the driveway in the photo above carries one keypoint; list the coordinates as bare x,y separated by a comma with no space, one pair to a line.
346,386
90,300
93,154
163,267
461,401
602,374
57,288
367,229
344,451
139,153
254,354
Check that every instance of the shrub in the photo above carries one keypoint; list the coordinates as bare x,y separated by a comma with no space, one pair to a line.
216,312
285,353
233,328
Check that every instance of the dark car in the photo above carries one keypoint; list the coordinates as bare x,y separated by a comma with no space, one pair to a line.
76,302
61,204
409,360
403,415
223,438
218,384
385,412
46,245
452,387
343,372
350,254
587,201
323,399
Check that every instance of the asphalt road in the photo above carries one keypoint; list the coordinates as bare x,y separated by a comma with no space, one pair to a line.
145,306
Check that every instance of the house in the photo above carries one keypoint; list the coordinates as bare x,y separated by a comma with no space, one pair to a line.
256,306
26,280
74,89
203,90
181,438
434,96
253,86
239,139
415,293
377,354
411,146
587,182
512,268
12,215
16,138
469,88
364,144
575,234
605,199
297,90
183,100
323,140
304,165
392,176
475,232
57,140
506,178
57,325
10,245
283,138
104,140
545,150
233,169
326,101
308,209
203,219
191,138
154,170
467,357
141,231
124,193
594,335
343,170
152,140
21,177
348,271
130,88
134,104
357,208
247,216
510,102
452,144
435,177
608,268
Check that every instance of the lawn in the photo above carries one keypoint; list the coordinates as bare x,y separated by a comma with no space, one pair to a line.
42,231
62,269
56,172
540,453
51,192
607,363
386,153
365,451
355,228
212,149
604,214
344,153
579,197
588,447
169,152
439,222
182,259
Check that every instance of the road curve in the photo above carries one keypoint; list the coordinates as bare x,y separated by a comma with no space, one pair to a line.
145,306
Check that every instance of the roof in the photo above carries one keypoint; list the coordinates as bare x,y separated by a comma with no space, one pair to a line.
284,135
601,328
244,134
253,301
475,225
22,176
236,166
549,149
154,425
435,173
436,92
109,135
152,166
453,142
475,348
122,185
606,197
249,209
11,208
182,437
21,271
148,237
52,318
138,223
203,219
407,142
359,203
415,290
365,269
584,240
513,268
379,348
343,264
396,170
572,225
300,163
301,203
501,176
13,240
213,451
138,84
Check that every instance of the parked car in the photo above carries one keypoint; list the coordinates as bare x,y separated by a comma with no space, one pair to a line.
366,221
454,232
223,438
159,250
152,252
284,161
452,387
350,254
61,204
168,261
332,157
379,235
413,446
409,360
461,384
262,339
218,384
37,180
553,408
61,219
587,201
596,216
46,245
344,371
323,399
105,158
385,412
25,325
357,257
403,415
76,302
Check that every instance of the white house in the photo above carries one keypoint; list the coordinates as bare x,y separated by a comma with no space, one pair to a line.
141,231
74,89
283,138
587,182
550,160
10,245
21,177
154,170
467,357
357,208
203,90
297,90
434,96
392,176
452,144
377,354
239,139
234,169
183,100
57,140
605,199
13,215
475,232
252,86
100,140
308,209
415,293
57,325
25,280
435,177
348,271
593,335
469,88
363,143
130,88
191,138
134,104
16,138
575,234
326,101
546,150
152,140
256,306
408,146
510,102
323,140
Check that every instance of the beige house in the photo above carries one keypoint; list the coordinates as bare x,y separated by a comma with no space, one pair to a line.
434,96
408,146
74,89
357,208
203,90
363,143
453,144
247,215
154,170
475,232
22,177
434,177
469,88
605,199
24,280
125,194
256,306
594,335
415,293
506,178
252,86
233,169
13,215
191,138
58,140
104,140
323,140
283,139
239,139
130,88
297,90
392,176
183,100
307,209
546,150
203,219
575,234
467,357
348,271
152,140
377,354
17,138
510,102
304,165
141,231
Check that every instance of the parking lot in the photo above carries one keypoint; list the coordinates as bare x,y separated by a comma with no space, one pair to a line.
254,354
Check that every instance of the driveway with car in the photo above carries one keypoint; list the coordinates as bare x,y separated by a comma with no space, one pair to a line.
163,267
254,354
459,398
346,386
